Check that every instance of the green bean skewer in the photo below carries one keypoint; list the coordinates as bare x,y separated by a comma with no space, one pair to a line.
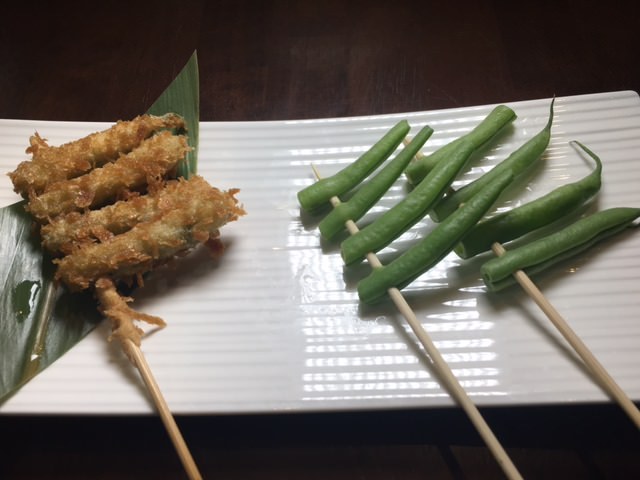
544,252
319,193
440,365
408,211
433,247
601,374
419,155
490,126
520,161
533,215
373,190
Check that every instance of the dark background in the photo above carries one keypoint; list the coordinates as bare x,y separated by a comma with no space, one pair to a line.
265,60
268,60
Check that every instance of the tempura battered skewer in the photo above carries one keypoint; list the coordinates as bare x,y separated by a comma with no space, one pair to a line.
440,365
558,321
53,164
65,233
124,240
172,231
138,250
152,160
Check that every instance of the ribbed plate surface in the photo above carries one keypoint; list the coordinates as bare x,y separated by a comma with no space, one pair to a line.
275,324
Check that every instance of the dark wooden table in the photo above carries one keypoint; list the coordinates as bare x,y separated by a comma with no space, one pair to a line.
265,60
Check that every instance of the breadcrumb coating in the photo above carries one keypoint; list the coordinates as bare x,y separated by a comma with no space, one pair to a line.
53,164
66,232
115,308
155,158
172,232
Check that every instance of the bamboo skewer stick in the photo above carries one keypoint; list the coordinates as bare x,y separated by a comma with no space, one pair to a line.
134,352
114,306
440,365
406,141
596,368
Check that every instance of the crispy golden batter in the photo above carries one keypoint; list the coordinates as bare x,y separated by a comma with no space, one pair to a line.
136,251
149,163
115,308
53,164
66,232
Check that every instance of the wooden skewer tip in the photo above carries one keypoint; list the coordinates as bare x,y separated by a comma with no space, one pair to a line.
597,369
133,351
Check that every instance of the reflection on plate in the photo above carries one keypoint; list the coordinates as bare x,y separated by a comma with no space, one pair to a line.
275,324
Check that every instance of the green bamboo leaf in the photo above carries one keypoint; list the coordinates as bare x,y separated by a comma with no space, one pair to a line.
39,322
183,97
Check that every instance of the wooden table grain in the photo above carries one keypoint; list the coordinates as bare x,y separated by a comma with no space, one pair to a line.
271,60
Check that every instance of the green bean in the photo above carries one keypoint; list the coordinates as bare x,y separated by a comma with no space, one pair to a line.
497,119
519,162
321,191
409,210
433,248
547,251
531,216
372,191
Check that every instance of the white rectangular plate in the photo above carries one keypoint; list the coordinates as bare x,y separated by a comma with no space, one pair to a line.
275,324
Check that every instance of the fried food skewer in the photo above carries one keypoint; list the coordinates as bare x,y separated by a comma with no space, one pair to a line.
130,254
65,233
205,210
150,162
71,190
53,164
